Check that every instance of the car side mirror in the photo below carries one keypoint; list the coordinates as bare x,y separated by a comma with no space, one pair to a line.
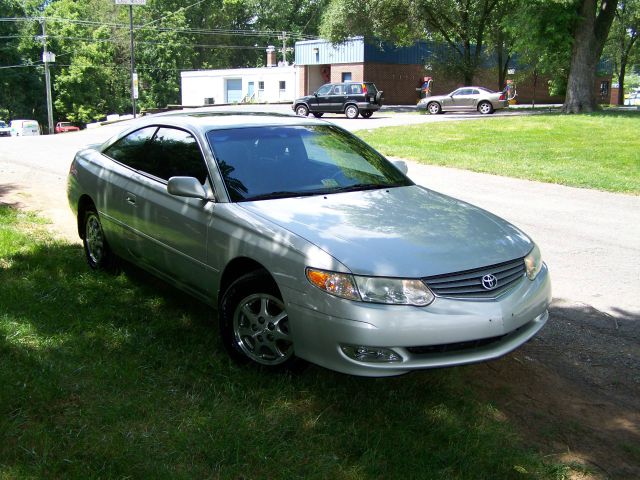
189,187
401,165
315,94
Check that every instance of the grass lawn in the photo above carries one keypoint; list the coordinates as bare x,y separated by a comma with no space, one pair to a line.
120,376
600,150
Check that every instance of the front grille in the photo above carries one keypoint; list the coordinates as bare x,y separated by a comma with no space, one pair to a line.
454,347
468,284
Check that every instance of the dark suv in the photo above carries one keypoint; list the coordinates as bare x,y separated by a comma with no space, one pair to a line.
350,98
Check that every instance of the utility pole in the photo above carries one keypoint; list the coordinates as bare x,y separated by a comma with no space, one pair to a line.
284,50
46,58
134,75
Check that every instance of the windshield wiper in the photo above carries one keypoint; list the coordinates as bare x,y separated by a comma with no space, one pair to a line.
360,186
280,194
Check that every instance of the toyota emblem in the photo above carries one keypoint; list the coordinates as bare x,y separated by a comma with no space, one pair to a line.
489,282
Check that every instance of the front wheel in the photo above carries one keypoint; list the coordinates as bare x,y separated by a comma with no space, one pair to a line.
254,323
302,110
434,108
366,114
99,255
485,108
351,111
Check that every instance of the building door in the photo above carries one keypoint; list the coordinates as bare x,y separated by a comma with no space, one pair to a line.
234,90
250,87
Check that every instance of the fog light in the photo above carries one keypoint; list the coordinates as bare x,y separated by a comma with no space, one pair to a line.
363,353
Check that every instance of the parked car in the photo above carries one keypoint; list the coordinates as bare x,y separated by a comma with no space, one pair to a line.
23,128
481,99
350,98
310,244
5,131
63,127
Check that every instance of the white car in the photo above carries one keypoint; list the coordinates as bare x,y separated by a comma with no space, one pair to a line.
24,128
5,131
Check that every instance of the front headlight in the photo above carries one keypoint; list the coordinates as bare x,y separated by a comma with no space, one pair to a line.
372,289
533,263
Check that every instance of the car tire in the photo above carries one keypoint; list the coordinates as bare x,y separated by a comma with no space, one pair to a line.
254,324
96,248
351,111
318,114
366,114
485,108
302,110
434,108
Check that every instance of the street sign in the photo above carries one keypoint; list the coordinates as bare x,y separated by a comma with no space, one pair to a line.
131,2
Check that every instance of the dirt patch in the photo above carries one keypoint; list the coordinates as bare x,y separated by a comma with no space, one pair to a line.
574,390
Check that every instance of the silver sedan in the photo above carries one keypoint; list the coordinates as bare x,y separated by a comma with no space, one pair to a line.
309,243
478,99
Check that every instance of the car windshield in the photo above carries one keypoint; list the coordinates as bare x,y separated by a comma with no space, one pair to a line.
65,124
259,163
2,124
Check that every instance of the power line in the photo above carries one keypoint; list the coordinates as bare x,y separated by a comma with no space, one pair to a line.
198,31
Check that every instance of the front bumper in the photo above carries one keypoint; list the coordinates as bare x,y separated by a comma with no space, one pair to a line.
446,333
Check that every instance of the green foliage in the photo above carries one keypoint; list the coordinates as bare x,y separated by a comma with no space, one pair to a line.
91,77
462,26
22,90
542,39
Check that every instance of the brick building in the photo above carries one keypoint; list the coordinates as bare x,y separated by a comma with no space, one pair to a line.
399,71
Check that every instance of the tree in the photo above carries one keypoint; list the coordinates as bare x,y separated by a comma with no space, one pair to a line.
463,26
622,43
22,90
540,31
589,36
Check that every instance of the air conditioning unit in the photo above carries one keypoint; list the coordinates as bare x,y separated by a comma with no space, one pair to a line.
209,101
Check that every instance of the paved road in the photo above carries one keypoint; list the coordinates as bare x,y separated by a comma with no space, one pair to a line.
590,239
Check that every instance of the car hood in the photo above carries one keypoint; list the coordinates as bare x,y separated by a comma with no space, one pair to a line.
400,232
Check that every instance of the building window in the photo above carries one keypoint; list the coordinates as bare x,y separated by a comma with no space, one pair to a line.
604,88
261,85
346,76
283,85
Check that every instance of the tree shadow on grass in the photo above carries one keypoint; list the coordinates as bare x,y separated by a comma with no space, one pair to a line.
122,375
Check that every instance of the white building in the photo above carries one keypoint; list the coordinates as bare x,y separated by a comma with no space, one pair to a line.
264,84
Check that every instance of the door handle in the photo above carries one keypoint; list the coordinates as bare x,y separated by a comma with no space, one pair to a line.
131,199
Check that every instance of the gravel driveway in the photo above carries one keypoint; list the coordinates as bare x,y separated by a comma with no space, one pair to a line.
584,368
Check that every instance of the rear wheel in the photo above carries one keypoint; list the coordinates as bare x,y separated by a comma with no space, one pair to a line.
434,108
366,114
318,114
99,255
485,108
302,110
351,111
254,323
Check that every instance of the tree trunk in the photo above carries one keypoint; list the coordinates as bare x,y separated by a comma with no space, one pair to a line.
621,74
588,41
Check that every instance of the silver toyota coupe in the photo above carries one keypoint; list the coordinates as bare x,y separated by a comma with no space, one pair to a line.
309,243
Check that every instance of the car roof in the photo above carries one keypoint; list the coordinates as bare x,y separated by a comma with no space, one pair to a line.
204,120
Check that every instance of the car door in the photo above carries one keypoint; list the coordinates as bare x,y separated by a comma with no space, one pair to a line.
172,230
115,201
462,99
337,98
320,101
